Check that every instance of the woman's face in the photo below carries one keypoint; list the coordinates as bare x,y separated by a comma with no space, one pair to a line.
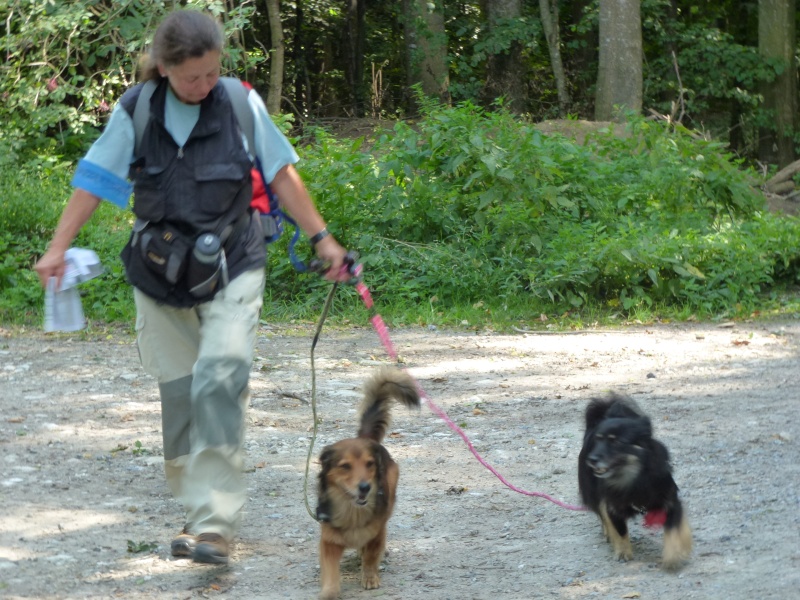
192,79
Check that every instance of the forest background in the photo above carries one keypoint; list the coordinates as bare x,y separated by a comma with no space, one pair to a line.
439,140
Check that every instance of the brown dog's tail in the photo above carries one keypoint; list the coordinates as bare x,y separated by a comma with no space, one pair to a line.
378,392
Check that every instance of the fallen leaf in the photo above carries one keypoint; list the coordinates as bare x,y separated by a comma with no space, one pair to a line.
632,595
16,419
477,411
740,342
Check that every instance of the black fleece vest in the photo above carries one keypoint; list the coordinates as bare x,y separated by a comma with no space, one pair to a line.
203,186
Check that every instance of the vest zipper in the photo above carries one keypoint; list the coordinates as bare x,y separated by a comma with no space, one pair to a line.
180,152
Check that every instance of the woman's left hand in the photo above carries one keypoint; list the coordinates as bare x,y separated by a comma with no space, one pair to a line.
331,252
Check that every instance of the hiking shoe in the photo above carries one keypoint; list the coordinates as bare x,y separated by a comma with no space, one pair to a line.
211,548
183,544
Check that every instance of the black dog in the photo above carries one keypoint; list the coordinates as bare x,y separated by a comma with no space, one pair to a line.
623,471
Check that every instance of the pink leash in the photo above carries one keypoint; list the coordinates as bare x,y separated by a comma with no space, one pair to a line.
383,334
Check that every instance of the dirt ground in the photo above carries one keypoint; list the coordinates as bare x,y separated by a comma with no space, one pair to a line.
86,513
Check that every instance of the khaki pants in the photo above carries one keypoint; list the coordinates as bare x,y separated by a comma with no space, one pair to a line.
201,358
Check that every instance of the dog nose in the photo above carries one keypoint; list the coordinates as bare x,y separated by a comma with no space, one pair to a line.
364,487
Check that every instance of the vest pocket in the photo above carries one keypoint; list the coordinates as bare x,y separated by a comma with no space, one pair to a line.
218,185
148,194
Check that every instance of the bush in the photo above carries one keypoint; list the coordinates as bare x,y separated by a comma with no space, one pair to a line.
33,201
476,216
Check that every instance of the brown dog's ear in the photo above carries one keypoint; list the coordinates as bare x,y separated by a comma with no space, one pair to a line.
381,456
326,458
323,503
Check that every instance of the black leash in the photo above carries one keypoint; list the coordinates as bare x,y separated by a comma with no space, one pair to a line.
325,309
317,266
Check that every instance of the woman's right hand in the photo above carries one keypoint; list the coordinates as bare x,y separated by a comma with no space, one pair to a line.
51,264
80,207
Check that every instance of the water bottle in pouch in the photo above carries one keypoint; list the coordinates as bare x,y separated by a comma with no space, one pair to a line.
208,269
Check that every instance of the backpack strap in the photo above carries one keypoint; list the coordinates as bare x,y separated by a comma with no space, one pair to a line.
141,113
237,94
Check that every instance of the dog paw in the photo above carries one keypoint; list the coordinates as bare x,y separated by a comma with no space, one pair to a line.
675,556
371,581
623,556
677,547
329,594
623,553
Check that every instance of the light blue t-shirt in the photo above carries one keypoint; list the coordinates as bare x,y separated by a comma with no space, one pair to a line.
104,170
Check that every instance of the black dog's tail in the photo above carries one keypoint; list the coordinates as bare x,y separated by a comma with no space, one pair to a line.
378,392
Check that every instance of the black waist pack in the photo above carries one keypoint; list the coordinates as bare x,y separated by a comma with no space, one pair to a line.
157,258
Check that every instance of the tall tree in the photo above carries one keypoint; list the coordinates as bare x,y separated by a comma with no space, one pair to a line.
777,42
619,74
505,74
426,47
548,10
354,39
276,57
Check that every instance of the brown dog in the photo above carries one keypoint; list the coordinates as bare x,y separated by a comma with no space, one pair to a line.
357,485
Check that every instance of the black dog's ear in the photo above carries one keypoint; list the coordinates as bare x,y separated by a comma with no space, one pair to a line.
595,412
641,429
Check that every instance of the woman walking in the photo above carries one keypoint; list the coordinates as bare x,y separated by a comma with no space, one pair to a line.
196,258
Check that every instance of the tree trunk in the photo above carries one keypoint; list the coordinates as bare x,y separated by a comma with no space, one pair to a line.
549,16
276,59
619,74
354,47
302,87
777,40
426,48
505,73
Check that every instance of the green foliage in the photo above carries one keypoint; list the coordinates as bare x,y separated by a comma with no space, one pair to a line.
33,199
702,65
467,207
30,212
471,216
66,64
714,69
